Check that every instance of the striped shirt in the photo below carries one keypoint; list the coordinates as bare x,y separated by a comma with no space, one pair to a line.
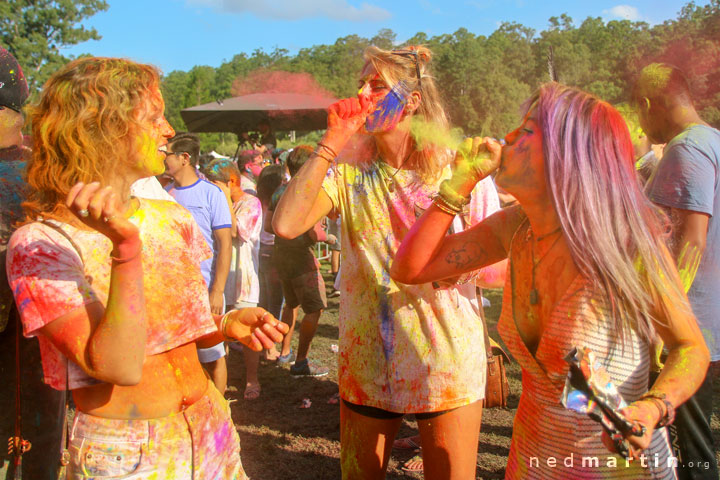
552,442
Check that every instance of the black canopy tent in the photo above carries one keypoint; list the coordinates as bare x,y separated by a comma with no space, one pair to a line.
283,111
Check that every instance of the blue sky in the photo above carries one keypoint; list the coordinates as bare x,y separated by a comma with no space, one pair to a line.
179,34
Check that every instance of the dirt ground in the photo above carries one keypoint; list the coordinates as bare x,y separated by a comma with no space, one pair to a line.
281,441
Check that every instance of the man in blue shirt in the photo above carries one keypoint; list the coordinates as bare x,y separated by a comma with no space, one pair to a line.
687,183
211,210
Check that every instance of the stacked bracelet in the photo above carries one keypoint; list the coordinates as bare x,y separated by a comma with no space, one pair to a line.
223,326
443,205
330,150
663,404
324,156
452,197
325,152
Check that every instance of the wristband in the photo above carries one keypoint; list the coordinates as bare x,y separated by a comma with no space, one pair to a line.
668,413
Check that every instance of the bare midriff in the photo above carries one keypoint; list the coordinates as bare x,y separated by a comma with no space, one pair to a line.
171,381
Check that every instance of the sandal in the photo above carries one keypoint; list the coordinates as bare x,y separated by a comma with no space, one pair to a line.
415,464
252,391
407,443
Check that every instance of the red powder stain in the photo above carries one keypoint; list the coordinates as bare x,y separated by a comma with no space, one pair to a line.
278,81
185,231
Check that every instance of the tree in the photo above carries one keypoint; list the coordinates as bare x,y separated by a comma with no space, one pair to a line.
36,30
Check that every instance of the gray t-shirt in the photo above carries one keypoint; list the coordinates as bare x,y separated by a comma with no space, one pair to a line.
688,178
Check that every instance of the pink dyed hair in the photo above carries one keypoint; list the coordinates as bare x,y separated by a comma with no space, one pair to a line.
615,234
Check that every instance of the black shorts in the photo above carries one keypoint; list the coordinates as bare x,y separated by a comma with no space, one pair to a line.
307,290
381,414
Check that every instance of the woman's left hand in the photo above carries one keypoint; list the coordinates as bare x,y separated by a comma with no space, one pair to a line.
255,327
646,414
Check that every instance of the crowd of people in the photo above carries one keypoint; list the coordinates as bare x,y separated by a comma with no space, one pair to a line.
135,262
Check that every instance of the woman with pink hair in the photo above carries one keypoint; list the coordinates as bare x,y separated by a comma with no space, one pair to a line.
588,267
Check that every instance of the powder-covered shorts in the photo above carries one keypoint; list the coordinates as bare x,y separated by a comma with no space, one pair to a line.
198,443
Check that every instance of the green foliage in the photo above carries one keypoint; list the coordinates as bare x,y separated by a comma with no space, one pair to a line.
36,30
485,80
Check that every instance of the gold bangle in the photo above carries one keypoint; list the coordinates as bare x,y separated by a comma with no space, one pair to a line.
439,202
223,326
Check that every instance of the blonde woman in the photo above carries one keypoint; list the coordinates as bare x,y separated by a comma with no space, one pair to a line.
403,349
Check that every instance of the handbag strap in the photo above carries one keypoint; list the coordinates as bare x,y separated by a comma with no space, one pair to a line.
486,336
65,459
19,445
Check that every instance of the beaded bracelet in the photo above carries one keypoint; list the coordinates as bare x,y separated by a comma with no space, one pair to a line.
659,399
451,196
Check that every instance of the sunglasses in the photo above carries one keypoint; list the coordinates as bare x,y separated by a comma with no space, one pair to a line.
414,55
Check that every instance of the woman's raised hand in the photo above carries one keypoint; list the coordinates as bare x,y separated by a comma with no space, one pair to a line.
475,159
345,118
100,209
254,327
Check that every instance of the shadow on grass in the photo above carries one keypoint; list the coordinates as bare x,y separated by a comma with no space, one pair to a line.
326,330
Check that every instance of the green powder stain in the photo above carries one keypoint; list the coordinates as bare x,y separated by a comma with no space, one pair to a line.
688,263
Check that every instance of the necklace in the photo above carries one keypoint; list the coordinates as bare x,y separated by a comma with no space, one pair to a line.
534,297
391,183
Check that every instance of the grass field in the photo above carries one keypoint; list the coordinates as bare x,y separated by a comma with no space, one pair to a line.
281,441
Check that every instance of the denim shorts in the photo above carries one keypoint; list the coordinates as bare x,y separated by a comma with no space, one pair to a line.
197,443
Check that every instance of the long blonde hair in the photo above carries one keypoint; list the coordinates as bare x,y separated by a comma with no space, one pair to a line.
615,234
396,65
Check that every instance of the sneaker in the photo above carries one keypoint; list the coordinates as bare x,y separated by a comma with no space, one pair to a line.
303,368
334,293
288,359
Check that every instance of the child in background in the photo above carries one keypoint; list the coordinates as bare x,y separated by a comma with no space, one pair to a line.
242,288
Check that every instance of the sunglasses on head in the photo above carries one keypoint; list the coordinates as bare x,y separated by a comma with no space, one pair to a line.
414,55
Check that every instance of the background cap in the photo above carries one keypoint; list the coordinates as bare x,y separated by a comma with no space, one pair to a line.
13,86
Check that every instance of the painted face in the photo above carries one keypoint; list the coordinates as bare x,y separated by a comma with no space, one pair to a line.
256,166
154,132
389,102
522,167
11,123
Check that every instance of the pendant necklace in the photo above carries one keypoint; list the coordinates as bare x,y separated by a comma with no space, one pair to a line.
534,297
391,183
